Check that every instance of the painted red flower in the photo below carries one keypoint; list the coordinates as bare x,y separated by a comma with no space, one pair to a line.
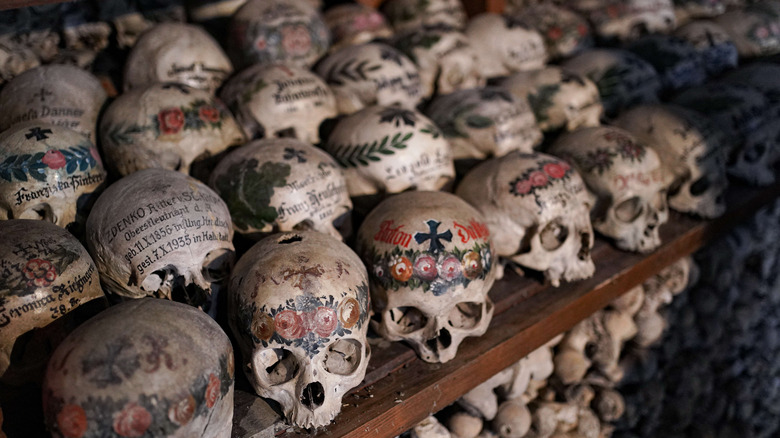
296,40
401,268
349,312
472,265
39,273
289,325
95,155
72,421
522,187
582,29
263,326
209,114
181,412
54,159
449,268
554,33
425,268
538,178
555,170
212,391
132,421
260,44
325,321
171,120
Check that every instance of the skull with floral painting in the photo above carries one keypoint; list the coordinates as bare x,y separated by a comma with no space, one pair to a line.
446,60
177,52
170,126
299,309
407,15
162,234
283,185
693,149
276,100
627,20
142,368
355,23
431,264
371,74
538,212
505,45
277,31
716,49
565,32
627,180
389,149
560,99
755,29
50,173
484,122
676,60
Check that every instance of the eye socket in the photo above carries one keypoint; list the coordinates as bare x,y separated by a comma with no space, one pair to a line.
699,186
39,212
344,357
279,364
407,319
628,210
217,265
553,235
465,315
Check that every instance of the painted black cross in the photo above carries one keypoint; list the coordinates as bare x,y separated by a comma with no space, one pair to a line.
38,133
43,94
434,236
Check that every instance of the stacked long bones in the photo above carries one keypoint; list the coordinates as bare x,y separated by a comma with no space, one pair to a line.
323,116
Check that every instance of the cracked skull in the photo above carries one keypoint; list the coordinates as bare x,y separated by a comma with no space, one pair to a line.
299,308
505,45
431,264
164,234
538,212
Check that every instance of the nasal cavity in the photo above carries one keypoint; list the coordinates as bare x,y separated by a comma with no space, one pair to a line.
442,340
313,396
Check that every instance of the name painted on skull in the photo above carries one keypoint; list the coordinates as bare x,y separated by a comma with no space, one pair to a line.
73,183
393,236
474,230
654,177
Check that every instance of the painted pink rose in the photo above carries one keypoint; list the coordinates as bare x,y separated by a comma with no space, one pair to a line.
289,325
39,273
523,187
260,44
582,29
54,159
325,321
425,268
209,114
212,391
538,178
349,312
132,421
171,120
472,265
72,421
367,21
554,33
181,412
296,40
555,170
449,268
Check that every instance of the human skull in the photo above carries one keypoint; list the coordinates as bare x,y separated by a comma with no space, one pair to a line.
279,101
46,277
389,149
560,99
161,233
692,147
371,74
755,29
429,281
277,31
299,309
627,179
623,79
627,20
445,58
407,15
62,95
170,126
505,45
143,368
676,60
716,49
48,172
282,185
538,212
177,52
355,23
565,32
484,122
213,15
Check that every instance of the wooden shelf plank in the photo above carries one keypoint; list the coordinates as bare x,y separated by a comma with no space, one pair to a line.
13,4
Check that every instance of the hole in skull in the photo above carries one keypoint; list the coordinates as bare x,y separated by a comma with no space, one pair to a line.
591,349
166,283
525,243
584,251
313,395
755,152
291,239
304,225
217,265
553,235
286,133
465,315
344,357
629,210
407,319
39,212
699,186
443,339
279,364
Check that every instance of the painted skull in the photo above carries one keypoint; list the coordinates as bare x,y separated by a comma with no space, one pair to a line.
505,45
627,20
169,126
685,10
430,260
407,15
755,29
355,23
693,148
277,31
62,95
142,368
389,149
627,179
538,212
371,74
716,49
299,309
623,79
485,122
283,185
164,234
565,32
676,60
279,101
48,172
177,52
445,58
559,99
48,283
